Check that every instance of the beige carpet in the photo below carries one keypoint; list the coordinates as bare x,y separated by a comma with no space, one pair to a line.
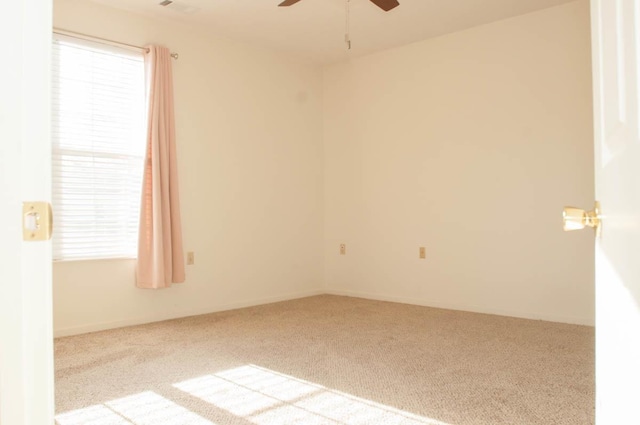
329,360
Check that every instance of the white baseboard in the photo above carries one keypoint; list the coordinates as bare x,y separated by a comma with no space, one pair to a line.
475,309
94,327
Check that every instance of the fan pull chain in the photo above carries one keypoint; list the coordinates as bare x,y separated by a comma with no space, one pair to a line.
347,34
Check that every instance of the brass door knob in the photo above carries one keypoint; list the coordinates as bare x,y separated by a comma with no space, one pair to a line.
576,219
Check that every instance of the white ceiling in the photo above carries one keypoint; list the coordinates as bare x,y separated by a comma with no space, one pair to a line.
313,30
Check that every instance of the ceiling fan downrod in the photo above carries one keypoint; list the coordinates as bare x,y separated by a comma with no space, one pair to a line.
347,34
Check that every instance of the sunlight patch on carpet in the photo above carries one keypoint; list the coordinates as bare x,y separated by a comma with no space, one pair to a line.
94,415
265,397
146,408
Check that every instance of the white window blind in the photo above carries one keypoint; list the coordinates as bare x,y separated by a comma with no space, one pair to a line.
98,130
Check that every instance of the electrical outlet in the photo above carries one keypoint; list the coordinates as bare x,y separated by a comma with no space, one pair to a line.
190,258
423,252
343,249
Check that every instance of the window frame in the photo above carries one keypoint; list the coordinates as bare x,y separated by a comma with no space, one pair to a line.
99,243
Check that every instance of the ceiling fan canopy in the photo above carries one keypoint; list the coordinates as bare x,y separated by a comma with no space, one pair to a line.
385,5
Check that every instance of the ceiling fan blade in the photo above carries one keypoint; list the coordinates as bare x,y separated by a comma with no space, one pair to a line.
386,5
288,2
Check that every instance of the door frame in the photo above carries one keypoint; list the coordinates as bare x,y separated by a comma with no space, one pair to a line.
26,321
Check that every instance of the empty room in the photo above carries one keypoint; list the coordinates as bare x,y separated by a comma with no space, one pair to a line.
329,212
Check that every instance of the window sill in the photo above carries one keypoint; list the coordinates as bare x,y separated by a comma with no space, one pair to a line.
73,260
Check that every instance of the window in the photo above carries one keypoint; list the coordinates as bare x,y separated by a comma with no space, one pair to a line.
98,130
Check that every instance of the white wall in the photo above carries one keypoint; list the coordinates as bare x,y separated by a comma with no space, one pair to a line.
470,145
249,134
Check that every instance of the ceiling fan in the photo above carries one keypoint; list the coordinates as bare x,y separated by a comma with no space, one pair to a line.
385,5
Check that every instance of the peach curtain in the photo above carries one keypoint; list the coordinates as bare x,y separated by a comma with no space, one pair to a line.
160,252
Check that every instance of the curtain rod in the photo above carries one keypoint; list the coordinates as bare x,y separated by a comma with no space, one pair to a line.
104,41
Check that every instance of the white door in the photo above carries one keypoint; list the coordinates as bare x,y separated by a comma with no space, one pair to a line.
26,357
616,68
